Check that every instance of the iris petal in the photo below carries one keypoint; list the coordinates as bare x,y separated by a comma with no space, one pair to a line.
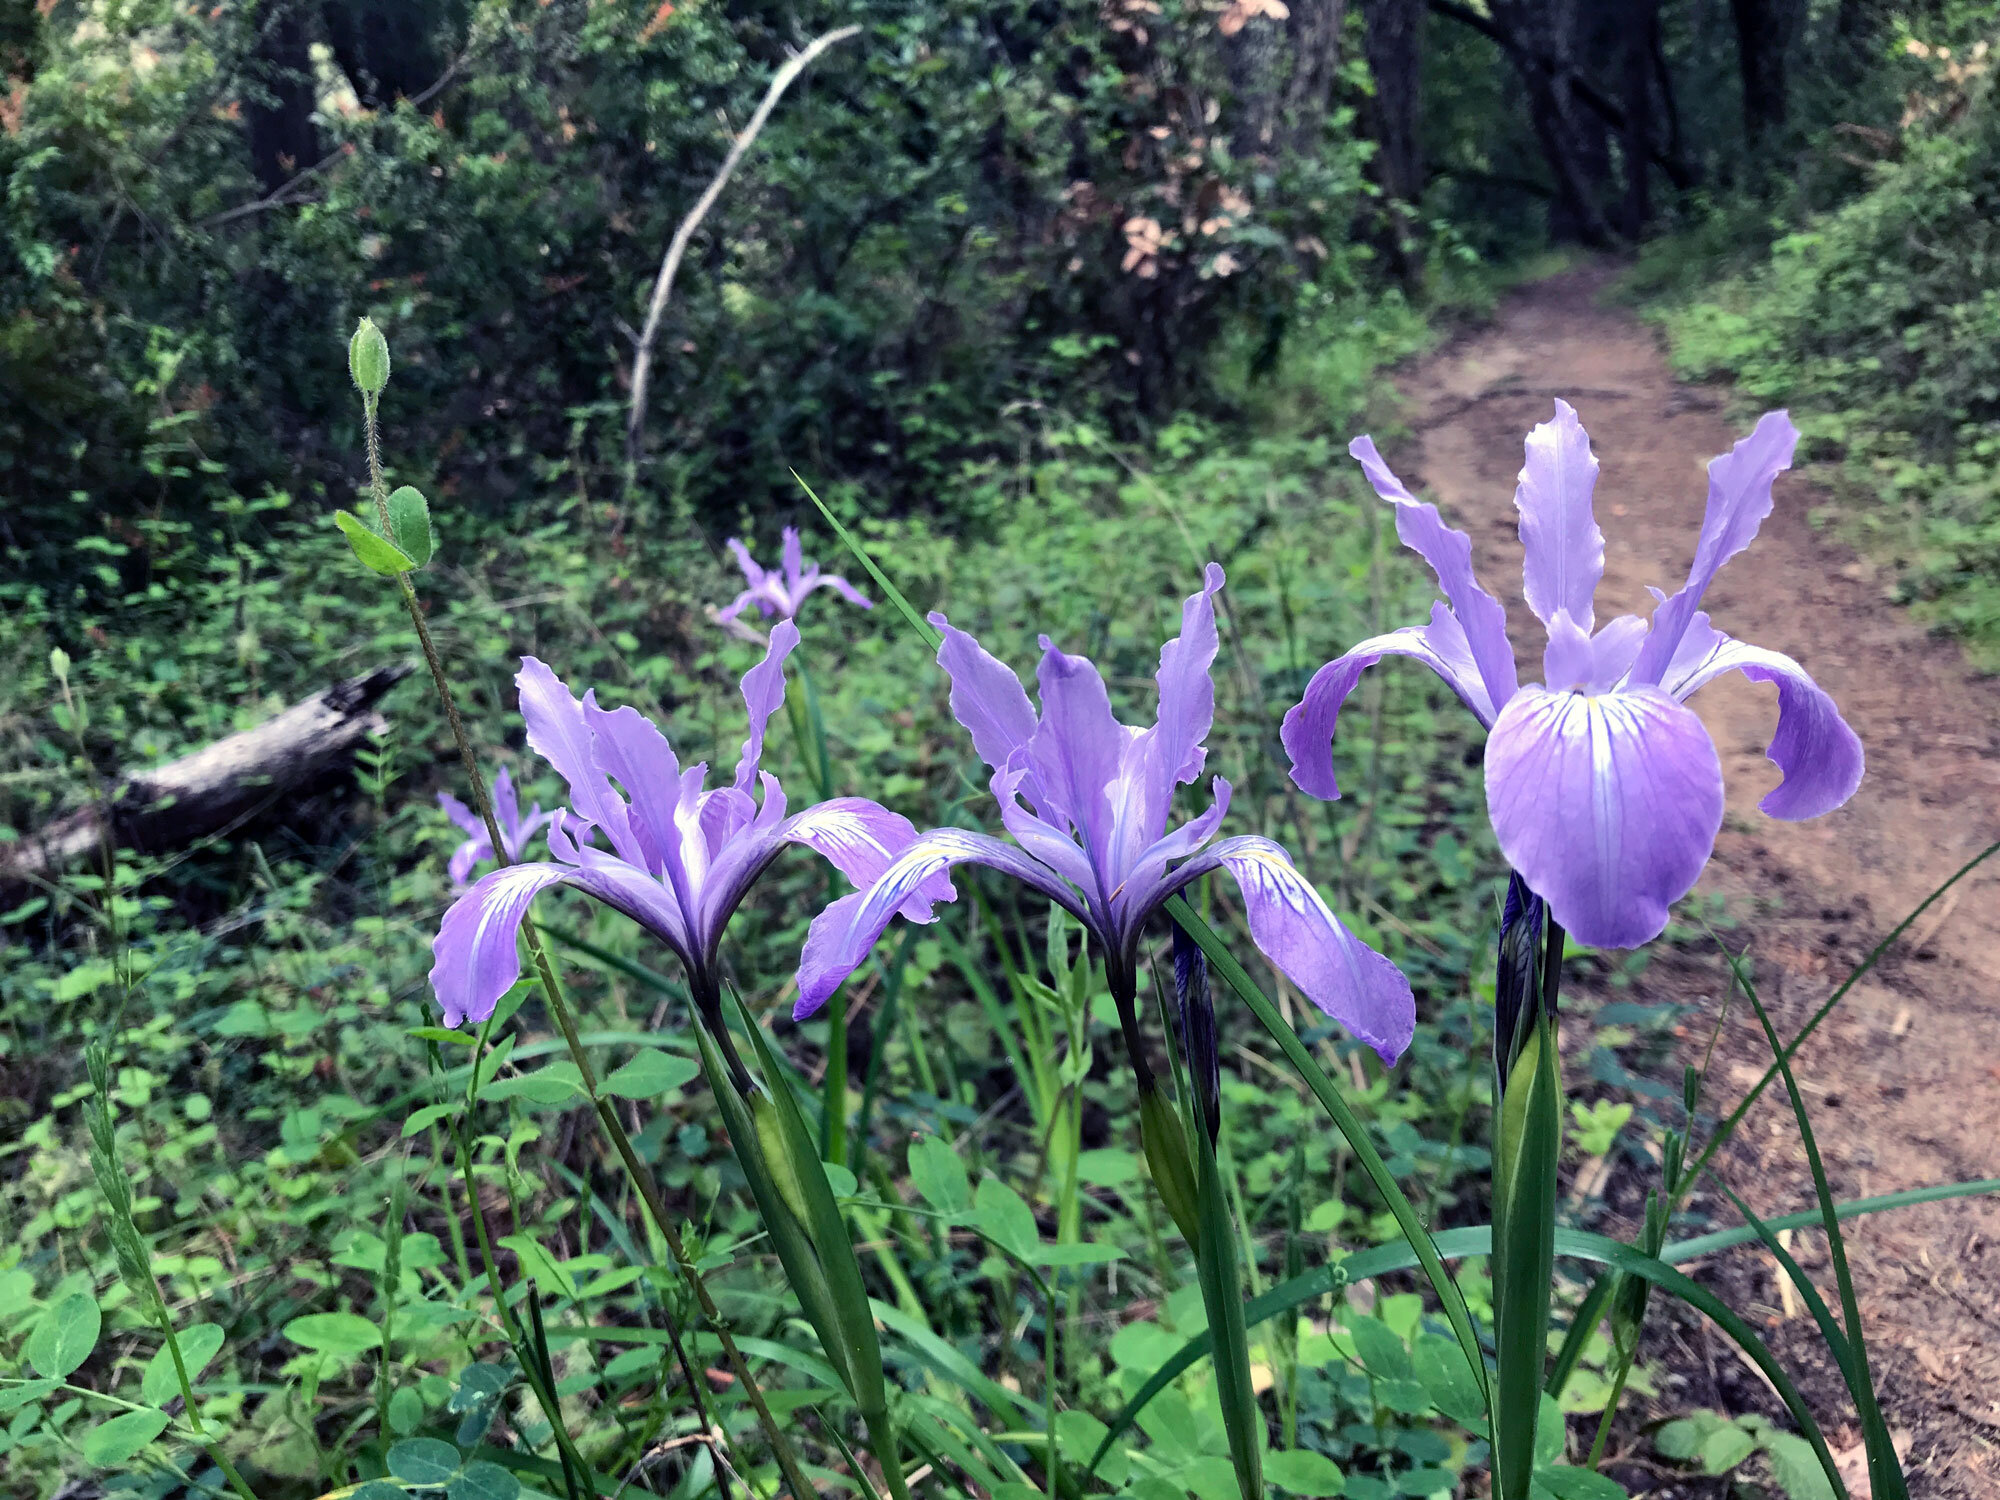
1449,552
987,698
1820,755
842,936
764,695
1562,549
1307,733
1608,806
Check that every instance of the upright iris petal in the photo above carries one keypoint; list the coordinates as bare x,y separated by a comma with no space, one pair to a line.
1604,790
682,857
1087,800
782,590
515,830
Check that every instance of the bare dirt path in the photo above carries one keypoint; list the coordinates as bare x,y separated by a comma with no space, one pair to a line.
1904,1079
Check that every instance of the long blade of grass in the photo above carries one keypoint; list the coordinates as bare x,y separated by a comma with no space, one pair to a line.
918,623
1885,1470
1728,1127
1350,1126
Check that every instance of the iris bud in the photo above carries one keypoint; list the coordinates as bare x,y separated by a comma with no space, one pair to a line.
777,1156
368,358
1198,1045
1165,1143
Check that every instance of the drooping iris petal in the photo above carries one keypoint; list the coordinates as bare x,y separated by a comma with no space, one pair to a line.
1608,805
753,571
1141,890
845,589
764,695
1308,730
475,959
1563,551
1739,497
843,935
469,822
1820,755
1449,553
1298,932
987,698
861,840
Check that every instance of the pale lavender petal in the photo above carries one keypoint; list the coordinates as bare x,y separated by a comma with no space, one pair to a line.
1290,921
467,857
475,959
726,812
534,821
468,821
842,936
1607,804
1078,750
1449,553
843,588
986,697
1820,755
736,606
1567,660
794,559
506,806
1050,845
558,733
861,840
1187,693
1613,650
1739,497
764,695
1308,731
753,571
1139,893
629,748
1563,551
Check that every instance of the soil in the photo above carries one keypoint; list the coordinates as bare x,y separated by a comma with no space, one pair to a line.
1903,1079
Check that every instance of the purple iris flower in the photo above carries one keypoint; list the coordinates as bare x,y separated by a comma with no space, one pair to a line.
682,856
1604,788
783,593
515,830
1096,841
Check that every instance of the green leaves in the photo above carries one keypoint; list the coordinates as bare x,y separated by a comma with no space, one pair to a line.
407,545
346,1335
1305,1473
649,1074
199,1345
1526,1155
1716,1445
114,1441
939,1175
423,1461
64,1338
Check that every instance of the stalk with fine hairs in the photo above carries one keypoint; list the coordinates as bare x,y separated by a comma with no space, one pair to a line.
369,361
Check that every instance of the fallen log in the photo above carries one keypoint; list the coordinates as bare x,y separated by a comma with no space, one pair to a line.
218,786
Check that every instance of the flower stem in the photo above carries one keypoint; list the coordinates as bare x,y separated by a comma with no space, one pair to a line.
636,1170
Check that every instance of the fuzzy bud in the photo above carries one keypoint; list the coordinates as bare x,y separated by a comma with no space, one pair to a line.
368,358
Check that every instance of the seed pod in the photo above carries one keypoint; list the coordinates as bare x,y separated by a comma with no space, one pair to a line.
1517,985
368,358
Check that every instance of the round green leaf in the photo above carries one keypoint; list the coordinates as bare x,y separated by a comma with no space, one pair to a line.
65,1336
1441,1365
199,1344
1006,1219
1381,1351
410,526
423,1461
1725,1448
115,1441
649,1074
483,1481
406,1410
375,550
1566,1483
479,1384
380,1489
939,1174
1304,1472
334,1333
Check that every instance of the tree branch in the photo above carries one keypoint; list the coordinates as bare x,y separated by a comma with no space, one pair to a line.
663,284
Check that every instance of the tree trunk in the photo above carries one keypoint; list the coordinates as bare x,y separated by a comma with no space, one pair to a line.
1394,42
283,142
218,786
1574,142
1640,41
1763,36
1314,31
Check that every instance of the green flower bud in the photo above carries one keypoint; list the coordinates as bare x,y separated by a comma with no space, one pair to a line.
368,358
778,1157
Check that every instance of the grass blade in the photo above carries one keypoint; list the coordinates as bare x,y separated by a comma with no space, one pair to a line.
918,623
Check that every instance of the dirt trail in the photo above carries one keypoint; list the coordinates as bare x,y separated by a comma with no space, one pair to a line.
1904,1079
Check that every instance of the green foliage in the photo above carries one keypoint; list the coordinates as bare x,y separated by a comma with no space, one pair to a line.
1714,1444
1878,323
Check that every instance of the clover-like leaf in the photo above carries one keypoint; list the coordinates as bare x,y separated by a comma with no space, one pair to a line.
375,550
